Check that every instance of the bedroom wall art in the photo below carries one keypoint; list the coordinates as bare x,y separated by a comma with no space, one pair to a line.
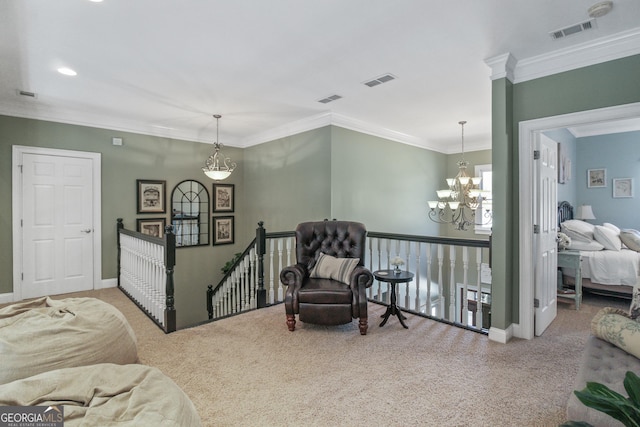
596,178
622,188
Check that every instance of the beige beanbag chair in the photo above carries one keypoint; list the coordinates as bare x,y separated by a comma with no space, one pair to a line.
106,395
45,334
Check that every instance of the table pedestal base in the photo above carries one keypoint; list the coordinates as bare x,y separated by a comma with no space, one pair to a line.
393,310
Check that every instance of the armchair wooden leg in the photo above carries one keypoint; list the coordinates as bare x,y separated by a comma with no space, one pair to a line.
363,323
291,322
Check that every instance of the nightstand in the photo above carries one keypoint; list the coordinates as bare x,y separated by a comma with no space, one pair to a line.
571,259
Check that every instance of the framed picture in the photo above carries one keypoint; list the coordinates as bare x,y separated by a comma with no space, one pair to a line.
596,178
151,226
564,166
622,187
223,233
223,197
151,196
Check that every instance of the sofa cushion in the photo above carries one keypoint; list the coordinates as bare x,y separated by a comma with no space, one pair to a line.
329,267
616,327
606,364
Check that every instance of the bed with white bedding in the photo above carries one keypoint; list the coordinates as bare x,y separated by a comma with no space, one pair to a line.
610,256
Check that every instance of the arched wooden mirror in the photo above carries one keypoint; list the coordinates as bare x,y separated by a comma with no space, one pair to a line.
190,214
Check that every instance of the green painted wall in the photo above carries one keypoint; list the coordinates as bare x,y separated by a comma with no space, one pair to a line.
288,181
329,172
383,184
141,157
598,86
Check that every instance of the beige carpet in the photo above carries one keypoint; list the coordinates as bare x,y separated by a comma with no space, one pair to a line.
249,370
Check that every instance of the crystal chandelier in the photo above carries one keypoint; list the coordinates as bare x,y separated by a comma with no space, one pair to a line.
457,205
213,167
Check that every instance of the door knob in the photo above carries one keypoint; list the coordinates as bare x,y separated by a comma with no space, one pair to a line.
88,230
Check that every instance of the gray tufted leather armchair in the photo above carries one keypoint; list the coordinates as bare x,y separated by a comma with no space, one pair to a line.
327,301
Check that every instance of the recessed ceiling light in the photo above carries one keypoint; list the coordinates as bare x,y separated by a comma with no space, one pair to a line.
96,1
67,71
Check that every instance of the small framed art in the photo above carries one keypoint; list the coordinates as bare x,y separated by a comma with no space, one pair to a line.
151,196
151,226
596,178
223,230
223,197
622,187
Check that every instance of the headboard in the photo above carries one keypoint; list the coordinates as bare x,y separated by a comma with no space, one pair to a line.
565,212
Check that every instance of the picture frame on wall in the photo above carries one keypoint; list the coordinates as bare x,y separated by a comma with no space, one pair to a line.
151,196
596,178
223,230
223,197
564,166
151,226
622,188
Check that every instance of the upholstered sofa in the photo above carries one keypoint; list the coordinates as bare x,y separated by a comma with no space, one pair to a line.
610,352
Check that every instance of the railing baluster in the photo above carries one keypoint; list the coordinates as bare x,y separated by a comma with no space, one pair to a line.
143,271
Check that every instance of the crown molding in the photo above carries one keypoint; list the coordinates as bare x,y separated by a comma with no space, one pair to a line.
303,125
605,128
620,45
502,66
80,118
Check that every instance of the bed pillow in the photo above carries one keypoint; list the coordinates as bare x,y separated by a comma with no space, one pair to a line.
577,245
329,267
607,237
631,238
616,327
611,226
578,230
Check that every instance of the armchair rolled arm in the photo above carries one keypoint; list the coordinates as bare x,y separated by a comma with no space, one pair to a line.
292,277
361,279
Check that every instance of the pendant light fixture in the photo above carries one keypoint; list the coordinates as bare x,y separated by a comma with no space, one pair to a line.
217,166
457,204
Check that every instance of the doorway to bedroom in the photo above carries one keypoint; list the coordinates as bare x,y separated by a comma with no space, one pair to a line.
529,132
56,221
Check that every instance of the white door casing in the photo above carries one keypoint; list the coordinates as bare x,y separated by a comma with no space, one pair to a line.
528,131
56,221
545,246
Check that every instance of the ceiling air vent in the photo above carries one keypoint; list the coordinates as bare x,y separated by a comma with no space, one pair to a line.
329,99
379,80
573,29
26,93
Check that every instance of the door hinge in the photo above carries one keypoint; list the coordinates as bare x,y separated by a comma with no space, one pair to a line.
536,229
22,276
536,303
20,166
536,154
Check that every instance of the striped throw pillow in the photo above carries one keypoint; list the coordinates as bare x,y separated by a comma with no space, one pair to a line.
329,267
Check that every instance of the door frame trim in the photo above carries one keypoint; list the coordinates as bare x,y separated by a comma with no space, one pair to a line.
528,131
16,208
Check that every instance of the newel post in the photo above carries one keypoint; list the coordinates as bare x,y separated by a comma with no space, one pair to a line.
170,262
119,226
261,242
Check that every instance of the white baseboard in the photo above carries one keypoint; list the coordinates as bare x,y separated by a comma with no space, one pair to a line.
501,335
5,298
108,283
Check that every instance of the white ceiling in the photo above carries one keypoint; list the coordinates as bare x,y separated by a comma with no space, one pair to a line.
164,67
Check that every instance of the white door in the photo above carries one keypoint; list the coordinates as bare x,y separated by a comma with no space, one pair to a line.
57,227
545,239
